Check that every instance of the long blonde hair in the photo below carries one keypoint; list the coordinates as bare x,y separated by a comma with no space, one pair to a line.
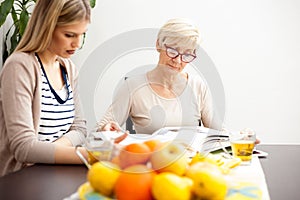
48,14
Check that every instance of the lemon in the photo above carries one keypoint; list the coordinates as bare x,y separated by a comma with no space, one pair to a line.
215,159
102,176
198,157
85,192
84,189
167,185
209,182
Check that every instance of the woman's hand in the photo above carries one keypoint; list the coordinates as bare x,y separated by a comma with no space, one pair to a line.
257,141
122,137
114,126
111,126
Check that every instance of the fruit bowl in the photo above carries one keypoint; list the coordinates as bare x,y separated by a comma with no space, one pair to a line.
137,167
131,163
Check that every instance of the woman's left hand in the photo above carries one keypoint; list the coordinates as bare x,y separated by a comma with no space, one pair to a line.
122,137
257,141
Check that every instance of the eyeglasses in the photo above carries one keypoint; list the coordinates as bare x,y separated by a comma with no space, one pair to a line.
185,57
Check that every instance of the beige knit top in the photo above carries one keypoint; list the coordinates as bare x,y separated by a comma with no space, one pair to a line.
20,102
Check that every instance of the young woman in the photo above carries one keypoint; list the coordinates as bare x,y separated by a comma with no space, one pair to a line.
40,115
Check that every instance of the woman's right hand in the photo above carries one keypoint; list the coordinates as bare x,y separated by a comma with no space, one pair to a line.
114,126
111,126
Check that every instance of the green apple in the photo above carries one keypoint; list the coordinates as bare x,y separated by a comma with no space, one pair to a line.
170,158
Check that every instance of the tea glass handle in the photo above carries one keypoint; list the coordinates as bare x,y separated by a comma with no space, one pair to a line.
82,158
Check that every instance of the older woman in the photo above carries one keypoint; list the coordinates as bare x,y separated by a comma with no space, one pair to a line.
165,96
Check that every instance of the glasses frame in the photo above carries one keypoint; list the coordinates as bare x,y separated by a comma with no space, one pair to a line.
179,54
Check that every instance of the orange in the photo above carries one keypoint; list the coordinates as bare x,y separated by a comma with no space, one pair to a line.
153,144
134,183
135,153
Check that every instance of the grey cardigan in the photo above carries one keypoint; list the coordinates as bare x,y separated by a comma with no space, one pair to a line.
20,96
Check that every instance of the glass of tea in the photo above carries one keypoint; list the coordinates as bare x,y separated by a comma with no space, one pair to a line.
99,148
242,145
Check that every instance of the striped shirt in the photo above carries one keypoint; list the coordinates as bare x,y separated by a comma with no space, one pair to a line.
57,109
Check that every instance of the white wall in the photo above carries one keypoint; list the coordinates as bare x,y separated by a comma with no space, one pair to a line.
255,46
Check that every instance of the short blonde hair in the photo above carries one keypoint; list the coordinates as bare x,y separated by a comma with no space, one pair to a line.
46,16
179,31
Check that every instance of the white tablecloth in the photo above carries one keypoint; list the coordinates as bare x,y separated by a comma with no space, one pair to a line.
252,173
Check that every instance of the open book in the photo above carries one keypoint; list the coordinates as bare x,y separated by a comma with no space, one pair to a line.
198,138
